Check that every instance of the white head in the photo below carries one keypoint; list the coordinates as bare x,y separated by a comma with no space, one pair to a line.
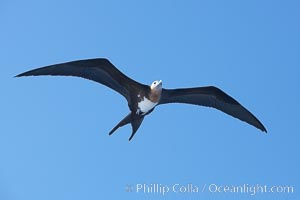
156,85
156,89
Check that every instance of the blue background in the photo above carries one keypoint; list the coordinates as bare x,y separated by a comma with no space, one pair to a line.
54,141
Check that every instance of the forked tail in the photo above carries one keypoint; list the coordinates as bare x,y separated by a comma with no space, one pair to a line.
132,118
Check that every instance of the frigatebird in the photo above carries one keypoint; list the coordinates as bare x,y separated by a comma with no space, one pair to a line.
142,99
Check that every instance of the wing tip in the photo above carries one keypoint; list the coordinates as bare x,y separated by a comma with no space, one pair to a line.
19,75
264,130
261,127
28,73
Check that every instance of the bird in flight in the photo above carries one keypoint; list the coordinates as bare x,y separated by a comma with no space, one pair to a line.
142,99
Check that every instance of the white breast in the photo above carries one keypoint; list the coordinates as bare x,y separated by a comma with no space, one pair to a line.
146,105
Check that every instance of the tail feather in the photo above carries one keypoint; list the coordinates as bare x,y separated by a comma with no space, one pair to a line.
135,126
132,118
123,122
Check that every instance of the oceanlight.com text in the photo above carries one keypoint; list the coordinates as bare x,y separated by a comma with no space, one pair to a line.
249,189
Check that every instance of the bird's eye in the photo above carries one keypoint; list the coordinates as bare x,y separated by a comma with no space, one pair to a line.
155,83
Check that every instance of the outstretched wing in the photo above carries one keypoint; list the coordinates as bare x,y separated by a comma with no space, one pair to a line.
100,70
211,97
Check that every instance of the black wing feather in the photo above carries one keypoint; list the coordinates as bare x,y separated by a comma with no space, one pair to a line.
211,97
100,70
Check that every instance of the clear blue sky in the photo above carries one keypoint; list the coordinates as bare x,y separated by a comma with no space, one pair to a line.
54,141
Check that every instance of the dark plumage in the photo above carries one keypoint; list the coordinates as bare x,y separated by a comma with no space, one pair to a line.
141,98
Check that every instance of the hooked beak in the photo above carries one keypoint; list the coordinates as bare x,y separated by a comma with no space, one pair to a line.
159,85
160,82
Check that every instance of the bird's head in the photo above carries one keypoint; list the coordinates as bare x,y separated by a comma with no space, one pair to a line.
156,85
